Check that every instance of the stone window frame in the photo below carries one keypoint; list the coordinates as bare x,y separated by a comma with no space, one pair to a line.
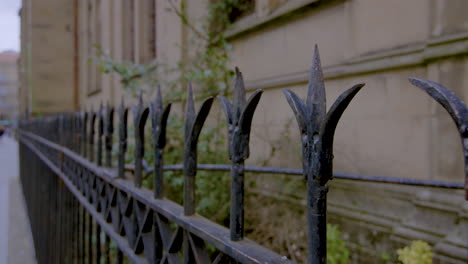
266,11
139,31
146,27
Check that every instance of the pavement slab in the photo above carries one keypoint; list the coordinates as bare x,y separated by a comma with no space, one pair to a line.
16,244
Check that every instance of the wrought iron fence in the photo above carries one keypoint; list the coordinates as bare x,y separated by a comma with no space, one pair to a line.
82,210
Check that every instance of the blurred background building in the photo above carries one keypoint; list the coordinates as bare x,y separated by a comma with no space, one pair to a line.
8,86
46,67
391,128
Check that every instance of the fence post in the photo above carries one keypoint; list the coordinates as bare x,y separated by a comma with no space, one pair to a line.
317,132
239,118
159,115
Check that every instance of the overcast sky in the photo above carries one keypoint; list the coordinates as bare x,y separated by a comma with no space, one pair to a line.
9,25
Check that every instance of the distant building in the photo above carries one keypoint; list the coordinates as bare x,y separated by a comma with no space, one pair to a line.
8,85
47,62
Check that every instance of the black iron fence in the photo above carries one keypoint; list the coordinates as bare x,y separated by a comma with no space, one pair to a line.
82,210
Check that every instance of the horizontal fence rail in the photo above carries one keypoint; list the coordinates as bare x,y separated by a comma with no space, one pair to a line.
298,172
83,210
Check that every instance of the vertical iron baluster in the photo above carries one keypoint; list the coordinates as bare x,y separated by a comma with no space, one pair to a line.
79,124
123,111
317,132
455,107
74,129
140,114
239,117
100,134
84,126
90,239
61,130
109,130
192,128
107,249
99,163
119,258
159,121
70,131
83,235
92,119
98,243
159,115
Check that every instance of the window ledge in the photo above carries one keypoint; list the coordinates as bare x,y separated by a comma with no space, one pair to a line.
254,21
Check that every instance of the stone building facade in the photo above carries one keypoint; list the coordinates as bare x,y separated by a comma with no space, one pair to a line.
391,128
48,61
8,85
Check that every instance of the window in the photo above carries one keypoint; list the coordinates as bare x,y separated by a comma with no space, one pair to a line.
146,31
245,7
94,40
128,27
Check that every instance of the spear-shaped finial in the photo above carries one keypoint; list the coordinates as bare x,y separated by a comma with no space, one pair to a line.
92,120
84,135
317,132
159,99
189,111
192,128
316,98
159,122
123,112
239,94
140,114
239,117
109,130
100,134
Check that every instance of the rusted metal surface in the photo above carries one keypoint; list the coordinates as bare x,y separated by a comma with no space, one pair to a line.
79,204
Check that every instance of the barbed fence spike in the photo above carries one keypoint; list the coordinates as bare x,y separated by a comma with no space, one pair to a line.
317,132
159,116
239,116
192,128
123,115
140,115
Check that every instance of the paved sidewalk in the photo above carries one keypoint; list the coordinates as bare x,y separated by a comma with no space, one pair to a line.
16,244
